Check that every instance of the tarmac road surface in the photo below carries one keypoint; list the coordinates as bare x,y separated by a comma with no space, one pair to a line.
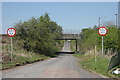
63,66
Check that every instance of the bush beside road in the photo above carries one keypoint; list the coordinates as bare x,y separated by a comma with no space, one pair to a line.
90,45
35,41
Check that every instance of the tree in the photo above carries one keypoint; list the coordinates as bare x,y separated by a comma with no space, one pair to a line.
38,35
90,38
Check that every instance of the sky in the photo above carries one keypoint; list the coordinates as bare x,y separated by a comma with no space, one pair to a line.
0,17
69,15
60,0
119,14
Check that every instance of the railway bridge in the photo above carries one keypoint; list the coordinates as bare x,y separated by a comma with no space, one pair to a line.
69,34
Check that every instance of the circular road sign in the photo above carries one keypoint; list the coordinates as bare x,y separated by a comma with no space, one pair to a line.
102,31
11,32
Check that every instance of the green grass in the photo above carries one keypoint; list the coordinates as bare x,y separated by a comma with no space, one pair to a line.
22,60
73,45
21,57
99,66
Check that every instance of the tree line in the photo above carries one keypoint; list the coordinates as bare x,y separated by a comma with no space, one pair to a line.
90,38
38,35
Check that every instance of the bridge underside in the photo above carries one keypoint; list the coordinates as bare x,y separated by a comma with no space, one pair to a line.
70,39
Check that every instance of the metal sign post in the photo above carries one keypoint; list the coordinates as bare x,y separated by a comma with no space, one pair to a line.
102,47
11,48
11,32
102,31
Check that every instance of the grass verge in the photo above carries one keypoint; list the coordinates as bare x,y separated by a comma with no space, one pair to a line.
22,59
88,62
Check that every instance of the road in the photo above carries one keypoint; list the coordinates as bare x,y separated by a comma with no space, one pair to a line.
63,66
66,47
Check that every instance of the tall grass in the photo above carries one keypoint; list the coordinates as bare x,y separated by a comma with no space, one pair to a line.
100,65
22,57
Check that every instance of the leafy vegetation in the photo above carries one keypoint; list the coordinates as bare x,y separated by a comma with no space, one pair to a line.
38,35
35,41
91,38
90,45
73,45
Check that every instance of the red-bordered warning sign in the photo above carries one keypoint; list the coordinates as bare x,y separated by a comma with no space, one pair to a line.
102,31
11,32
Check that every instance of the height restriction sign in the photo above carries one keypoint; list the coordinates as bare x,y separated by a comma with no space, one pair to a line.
102,31
11,32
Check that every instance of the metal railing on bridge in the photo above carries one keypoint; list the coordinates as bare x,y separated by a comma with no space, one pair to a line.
70,34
